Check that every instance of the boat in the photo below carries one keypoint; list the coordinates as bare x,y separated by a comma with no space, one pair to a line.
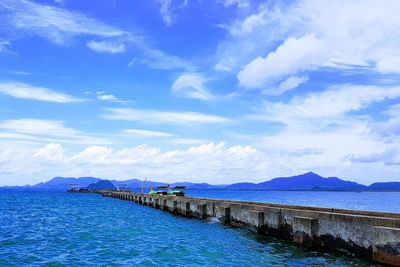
178,191
166,190
152,191
163,190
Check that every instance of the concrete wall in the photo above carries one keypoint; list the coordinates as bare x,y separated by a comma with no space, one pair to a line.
372,235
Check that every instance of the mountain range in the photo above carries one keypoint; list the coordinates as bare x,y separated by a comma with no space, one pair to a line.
305,182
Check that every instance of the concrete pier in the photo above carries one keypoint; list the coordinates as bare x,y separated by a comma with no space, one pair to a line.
371,235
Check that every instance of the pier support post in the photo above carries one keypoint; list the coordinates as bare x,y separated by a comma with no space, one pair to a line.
187,209
257,221
202,210
386,248
224,214
304,229
174,206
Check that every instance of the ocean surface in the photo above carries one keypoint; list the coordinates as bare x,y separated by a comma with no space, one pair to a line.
371,201
61,229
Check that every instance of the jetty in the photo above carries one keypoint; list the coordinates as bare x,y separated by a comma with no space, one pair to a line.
371,235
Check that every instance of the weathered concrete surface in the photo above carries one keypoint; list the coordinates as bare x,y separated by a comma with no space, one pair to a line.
304,229
386,248
372,235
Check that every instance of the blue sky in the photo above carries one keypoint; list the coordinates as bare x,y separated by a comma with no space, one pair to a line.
204,91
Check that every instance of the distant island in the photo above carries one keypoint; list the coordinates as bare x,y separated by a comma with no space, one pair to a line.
309,181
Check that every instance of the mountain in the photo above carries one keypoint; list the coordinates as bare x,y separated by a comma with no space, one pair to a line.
63,183
388,186
202,186
306,181
243,186
101,185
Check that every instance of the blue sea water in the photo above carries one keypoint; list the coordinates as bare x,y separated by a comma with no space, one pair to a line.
61,229
370,201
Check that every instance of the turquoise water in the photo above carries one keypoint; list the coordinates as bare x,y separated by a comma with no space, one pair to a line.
60,229
372,201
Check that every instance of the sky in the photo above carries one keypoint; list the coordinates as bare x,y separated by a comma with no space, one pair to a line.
217,91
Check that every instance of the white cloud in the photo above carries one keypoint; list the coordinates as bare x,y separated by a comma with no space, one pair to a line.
294,55
166,12
107,47
60,26
103,96
51,152
26,91
56,24
168,9
188,141
289,84
253,36
191,85
334,102
154,117
335,30
107,97
157,59
4,47
147,133
237,3
47,130
332,133
213,163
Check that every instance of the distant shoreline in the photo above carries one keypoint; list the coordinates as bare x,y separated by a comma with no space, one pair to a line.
6,188
309,181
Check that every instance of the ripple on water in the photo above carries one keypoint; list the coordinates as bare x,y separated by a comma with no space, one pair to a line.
59,229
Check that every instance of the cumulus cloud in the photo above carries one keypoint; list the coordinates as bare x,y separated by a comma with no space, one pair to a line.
51,152
154,117
191,85
294,55
331,131
334,30
26,91
211,162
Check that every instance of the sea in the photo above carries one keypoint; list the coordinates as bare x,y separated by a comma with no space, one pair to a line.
61,229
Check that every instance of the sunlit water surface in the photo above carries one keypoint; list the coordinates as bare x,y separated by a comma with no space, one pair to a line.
60,229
